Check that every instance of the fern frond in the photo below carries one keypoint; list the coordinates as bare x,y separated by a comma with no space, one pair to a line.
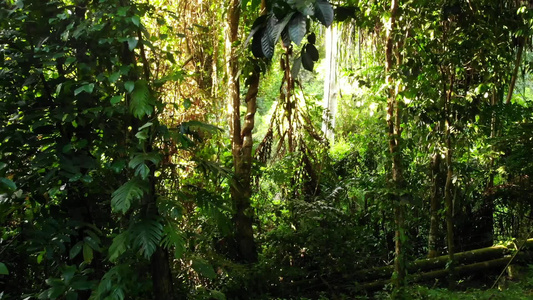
148,233
141,103
128,192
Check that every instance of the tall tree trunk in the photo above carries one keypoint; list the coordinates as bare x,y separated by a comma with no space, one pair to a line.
448,197
436,196
241,141
330,83
394,133
160,266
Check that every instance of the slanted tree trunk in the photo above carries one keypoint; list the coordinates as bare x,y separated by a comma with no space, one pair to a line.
330,83
241,141
394,133
521,43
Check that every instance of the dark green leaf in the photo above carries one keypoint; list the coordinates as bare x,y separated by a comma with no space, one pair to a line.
297,28
148,233
132,43
115,99
75,250
257,48
3,269
311,38
129,86
87,253
307,61
7,184
312,51
324,12
187,103
118,246
114,77
124,195
141,104
88,88
136,20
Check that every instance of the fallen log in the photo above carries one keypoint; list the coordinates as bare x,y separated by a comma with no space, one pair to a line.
427,264
439,262
474,268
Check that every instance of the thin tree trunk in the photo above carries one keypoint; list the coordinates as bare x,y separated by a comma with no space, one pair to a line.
330,83
241,141
515,71
394,133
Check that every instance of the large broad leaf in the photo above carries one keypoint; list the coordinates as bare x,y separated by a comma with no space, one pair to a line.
118,246
324,12
307,61
297,28
285,37
267,43
141,103
278,28
312,51
124,195
257,49
138,163
148,233
173,238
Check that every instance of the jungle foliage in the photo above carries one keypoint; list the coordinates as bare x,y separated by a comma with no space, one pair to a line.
173,150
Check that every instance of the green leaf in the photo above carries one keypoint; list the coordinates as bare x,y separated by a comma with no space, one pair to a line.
267,44
275,33
75,250
173,238
324,12
142,135
297,28
114,77
129,86
203,268
140,158
118,246
3,269
148,124
307,61
7,184
148,233
187,103
124,195
141,103
115,99
88,88
92,243
87,253
312,52
142,171
132,43
136,20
